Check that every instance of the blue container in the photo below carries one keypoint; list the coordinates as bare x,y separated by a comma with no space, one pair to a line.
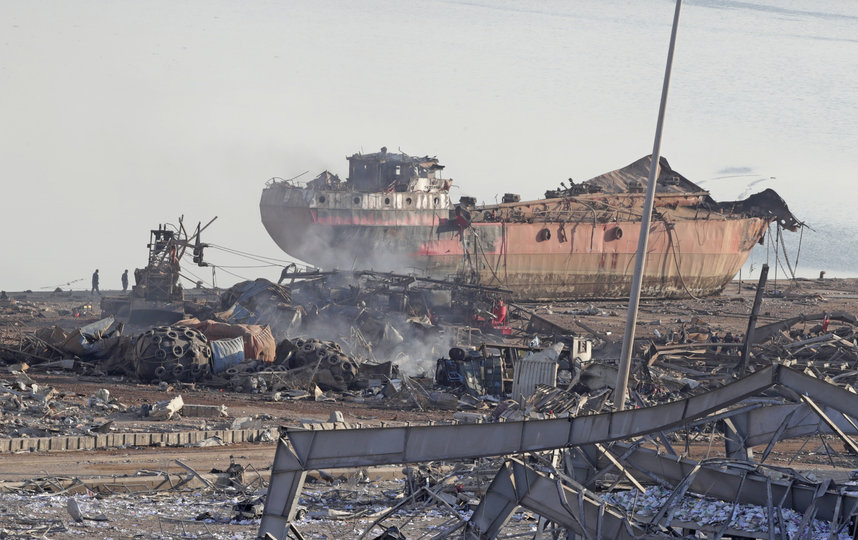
226,353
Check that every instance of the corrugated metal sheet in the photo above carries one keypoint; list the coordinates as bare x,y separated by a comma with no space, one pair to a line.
226,353
529,373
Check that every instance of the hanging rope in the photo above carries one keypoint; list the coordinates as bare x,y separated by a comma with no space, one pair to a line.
482,251
786,257
258,258
800,236
230,273
671,236
198,278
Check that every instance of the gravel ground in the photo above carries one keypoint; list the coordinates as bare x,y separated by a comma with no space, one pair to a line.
332,511
170,514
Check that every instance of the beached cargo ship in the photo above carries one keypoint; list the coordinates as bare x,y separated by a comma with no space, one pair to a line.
394,213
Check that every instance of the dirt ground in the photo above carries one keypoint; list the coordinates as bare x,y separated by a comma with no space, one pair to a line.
727,312
168,514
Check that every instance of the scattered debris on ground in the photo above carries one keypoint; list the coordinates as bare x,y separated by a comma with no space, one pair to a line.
507,413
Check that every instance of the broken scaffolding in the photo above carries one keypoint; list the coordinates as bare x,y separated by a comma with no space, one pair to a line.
614,449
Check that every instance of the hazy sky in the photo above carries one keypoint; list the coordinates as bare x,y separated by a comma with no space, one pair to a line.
119,116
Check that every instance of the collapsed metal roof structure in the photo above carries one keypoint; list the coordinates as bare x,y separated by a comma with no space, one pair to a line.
564,499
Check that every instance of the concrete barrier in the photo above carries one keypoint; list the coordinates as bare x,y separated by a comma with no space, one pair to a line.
125,440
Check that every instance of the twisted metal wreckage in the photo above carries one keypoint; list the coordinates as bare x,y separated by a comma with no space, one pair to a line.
561,495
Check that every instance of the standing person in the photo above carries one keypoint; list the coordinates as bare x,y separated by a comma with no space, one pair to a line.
125,280
714,339
728,338
95,283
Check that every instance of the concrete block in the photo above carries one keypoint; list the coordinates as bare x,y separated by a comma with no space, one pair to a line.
204,411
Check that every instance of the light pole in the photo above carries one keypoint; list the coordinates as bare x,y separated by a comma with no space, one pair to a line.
640,258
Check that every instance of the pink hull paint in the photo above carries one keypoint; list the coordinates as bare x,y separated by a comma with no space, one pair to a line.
401,219
574,244
694,257
697,257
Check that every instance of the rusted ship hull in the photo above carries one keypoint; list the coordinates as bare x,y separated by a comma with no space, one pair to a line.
593,263
589,262
573,245
332,231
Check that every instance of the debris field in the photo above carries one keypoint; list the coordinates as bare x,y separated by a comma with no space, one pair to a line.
382,406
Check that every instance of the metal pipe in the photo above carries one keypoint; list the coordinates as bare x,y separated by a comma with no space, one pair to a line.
640,258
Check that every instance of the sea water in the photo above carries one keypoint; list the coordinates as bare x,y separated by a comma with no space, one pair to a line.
126,115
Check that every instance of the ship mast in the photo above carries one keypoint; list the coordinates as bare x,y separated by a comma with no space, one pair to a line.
640,258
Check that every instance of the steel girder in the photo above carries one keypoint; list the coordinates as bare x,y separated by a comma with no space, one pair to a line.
284,487
309,450
759,426
414,444
717,481
519,485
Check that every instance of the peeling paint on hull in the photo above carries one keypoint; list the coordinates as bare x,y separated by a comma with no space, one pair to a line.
583,259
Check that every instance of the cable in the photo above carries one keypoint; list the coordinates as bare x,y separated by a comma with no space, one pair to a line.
253,258
252,266
670,233
786,257
260,258
199,279
230,273
797,253
61,284
268,262
481,250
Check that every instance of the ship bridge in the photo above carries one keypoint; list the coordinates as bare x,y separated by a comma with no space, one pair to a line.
388,172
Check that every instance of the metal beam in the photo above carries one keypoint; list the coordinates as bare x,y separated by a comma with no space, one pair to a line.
610,457
716,481
284,488
414,444
735,444
765,424
518,485
824,417
309,450
835,397
496,506
764,333
752,321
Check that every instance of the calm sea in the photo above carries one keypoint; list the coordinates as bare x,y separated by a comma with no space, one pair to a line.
763,94
516,95
125,115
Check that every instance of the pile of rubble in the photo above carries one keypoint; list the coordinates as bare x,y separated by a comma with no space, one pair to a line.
575,470
333,331
529,441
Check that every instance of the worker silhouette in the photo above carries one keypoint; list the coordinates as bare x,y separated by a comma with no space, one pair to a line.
125,280
95,283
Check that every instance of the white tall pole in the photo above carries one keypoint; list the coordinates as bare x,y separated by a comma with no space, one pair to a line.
640,258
